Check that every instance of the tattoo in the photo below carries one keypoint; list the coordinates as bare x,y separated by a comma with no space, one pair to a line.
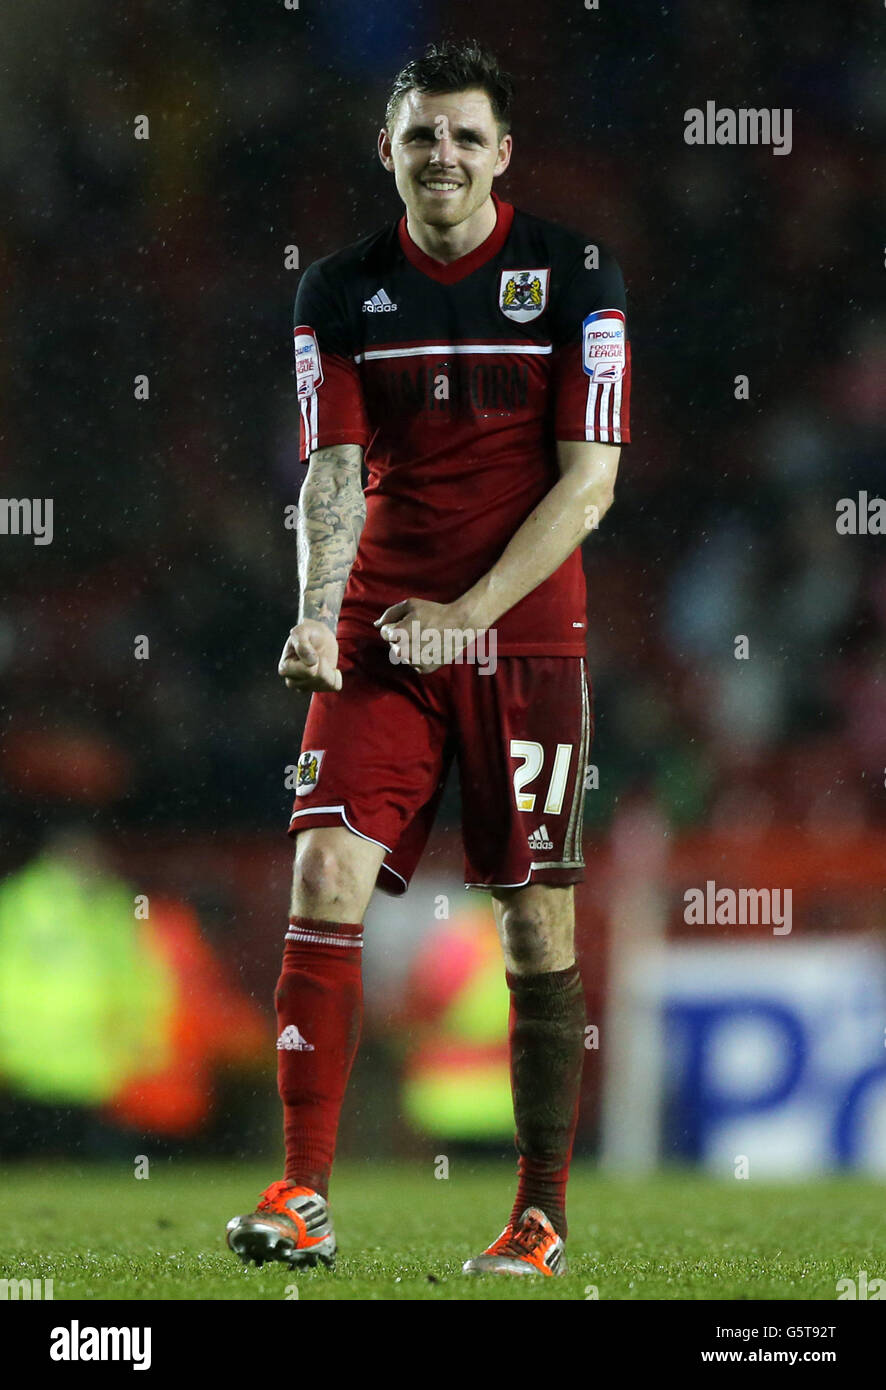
331,515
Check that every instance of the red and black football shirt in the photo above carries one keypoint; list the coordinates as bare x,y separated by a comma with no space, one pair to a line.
458,380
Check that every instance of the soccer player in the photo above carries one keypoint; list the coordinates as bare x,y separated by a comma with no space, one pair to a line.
476,359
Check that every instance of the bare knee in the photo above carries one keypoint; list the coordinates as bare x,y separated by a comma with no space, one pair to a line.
322,875
526,941
331,878
535,936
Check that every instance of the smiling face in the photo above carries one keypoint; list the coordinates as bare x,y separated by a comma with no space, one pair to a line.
444,151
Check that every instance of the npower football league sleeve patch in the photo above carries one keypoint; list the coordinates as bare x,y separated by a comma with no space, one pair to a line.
603,346
308,371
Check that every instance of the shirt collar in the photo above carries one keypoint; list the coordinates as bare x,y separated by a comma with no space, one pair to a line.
452,271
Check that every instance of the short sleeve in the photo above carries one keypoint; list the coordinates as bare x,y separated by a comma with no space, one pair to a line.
330,393
592,354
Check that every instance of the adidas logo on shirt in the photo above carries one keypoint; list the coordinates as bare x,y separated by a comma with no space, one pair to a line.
539,839
380,303
291,1040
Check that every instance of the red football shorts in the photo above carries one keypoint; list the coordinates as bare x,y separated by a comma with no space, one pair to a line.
375,756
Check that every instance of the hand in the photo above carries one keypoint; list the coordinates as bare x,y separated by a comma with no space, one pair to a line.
310,658
422,634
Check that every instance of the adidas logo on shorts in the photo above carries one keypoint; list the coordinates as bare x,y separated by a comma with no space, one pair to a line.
539,839
291,1040
380,303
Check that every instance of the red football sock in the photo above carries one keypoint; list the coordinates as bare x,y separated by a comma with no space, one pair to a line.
319,1000
546,1030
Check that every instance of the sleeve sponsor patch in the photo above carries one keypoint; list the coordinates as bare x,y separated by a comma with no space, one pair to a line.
603,345
308,371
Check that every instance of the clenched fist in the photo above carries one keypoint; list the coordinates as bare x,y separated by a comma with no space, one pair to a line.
310,658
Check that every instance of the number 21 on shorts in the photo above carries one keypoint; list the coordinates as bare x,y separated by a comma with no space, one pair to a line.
531,767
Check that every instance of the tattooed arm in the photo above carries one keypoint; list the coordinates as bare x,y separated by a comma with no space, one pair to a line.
331,517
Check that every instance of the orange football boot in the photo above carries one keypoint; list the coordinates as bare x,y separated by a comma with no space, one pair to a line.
290,1223
528,1246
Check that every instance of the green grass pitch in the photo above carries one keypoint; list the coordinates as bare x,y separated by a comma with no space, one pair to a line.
101,1234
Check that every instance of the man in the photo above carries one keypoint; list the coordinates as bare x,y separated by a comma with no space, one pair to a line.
478,358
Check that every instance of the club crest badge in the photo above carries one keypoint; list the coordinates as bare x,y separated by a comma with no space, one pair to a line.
523,294
308,771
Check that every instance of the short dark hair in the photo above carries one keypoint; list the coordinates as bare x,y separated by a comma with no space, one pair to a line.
453,67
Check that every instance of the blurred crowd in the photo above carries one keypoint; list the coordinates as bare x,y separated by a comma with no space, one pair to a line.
166,258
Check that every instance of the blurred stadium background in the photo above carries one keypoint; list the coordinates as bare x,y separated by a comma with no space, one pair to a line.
143,802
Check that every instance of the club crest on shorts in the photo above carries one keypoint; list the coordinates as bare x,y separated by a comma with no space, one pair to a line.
523,294
308,771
